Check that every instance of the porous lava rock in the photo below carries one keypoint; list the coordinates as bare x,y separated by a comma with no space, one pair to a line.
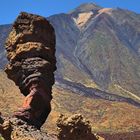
74,127
16,129
31,53
30,50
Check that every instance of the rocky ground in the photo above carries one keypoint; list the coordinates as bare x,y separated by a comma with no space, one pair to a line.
74,127
16,129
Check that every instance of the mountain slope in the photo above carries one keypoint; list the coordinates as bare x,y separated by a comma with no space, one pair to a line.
99,47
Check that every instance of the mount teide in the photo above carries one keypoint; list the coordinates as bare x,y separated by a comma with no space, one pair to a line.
99,47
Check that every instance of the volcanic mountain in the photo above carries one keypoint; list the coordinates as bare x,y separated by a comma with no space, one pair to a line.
99,48
98,62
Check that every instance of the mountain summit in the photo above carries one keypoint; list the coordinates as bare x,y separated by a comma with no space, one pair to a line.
86,7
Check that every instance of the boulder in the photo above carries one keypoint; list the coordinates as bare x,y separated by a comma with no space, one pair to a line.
74,127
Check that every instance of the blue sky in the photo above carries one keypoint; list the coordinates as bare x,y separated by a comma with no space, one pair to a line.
9,9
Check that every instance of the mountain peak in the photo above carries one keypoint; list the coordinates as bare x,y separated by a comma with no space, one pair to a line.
86,7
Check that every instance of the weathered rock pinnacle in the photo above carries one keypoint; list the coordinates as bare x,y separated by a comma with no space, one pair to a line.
31,54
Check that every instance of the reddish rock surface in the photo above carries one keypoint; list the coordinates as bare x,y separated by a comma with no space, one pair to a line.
16,129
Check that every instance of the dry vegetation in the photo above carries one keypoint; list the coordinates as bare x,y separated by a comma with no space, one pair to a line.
105,116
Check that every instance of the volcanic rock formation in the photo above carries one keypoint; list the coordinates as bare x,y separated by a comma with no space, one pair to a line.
75,127
16,129
31,54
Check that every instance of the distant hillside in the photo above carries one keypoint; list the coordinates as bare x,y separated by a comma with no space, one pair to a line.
4,30
99,47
